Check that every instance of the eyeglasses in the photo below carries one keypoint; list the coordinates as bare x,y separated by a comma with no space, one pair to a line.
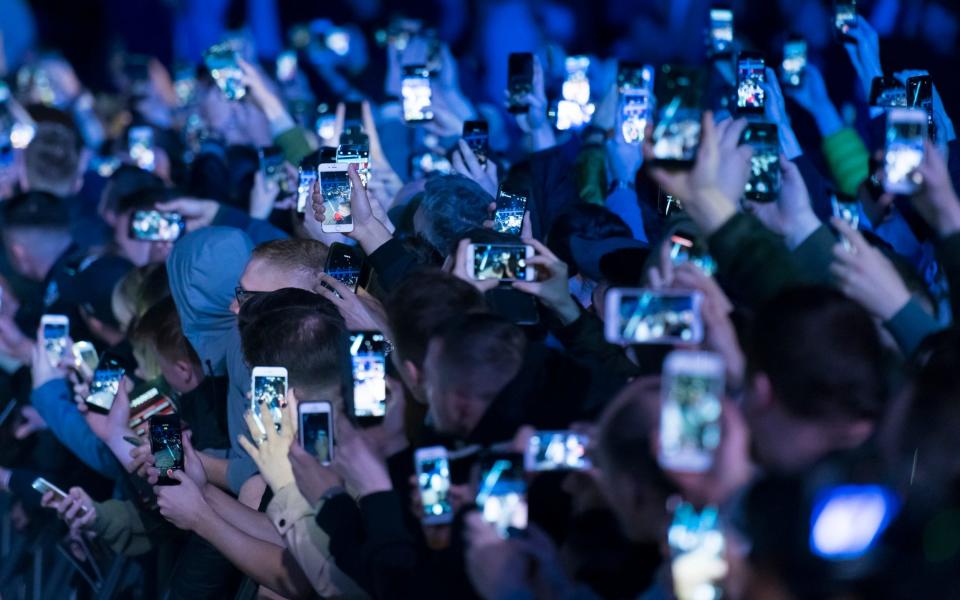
244,295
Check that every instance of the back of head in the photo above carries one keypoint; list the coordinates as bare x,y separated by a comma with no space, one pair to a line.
52,160
822,354
125,183
160,330
298,330
294,255
451,205
423,304
588,222
37,222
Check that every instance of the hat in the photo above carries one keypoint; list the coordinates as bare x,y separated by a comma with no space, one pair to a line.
91,286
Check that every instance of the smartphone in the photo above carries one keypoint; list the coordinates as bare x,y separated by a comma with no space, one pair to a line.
904,150
556,450
368,359
344,264
105,385
316,429
85,359
846,208
686,248
336,189
510,210
166,444
920,95
416,94
156,226
307,176
576,85
697,550
676,135
690,407
721,31
338,41
286,66
221,61
271,162
185,83
519,80
55,330
888,92
645,316
433,478
794,61
356,153
635,106
506,262
764,182
431,161
268,388
844,17
847,521
140,145
42,486
326,124
502,493
476,135
751,72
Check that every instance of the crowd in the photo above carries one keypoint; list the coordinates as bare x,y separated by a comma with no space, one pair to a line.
673,325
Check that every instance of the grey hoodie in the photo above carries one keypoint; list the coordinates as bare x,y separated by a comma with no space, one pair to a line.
204,269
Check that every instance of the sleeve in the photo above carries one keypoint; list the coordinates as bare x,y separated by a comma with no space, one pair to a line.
584,338
592,174
259,231
294,144
120,526
848,160
21,486
52,401
390,551
910,326
393,263
948,253
340,518
815,255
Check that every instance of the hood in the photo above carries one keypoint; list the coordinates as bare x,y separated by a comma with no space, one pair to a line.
204,269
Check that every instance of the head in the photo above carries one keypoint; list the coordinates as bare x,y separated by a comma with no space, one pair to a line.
36,232
288,263
624,454
468,363
451,206
139,289
131,189
418,309
52,160
159,336
300,331
815,377
91,289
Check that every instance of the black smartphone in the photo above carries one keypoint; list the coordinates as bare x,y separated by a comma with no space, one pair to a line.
751,72
510,210
352,114
104,386
676,135
416,94
632,76
794,61
344,264
764,183
844,18
721,31
476,135
888,92
368,360
166,443
920,95
519,80
271,162
316,429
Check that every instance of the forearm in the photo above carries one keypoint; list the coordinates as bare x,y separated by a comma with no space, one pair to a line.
216,470
541,138
255,523
711,211
584,339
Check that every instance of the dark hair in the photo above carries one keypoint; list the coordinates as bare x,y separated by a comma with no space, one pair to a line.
35,210
452,204
52,159
420,307
821,352
295,329
126,185
480,354
587,221
160,327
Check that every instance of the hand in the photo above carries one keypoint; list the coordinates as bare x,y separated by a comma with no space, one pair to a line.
261,93
32,423
363,472
271,448
624,159
463,269
536,102
865,275
466,163
791,215
813,97
263,195
368,230
361,313
864,53
183,505
776,112
42,372
313,479
77,509
143,464
937,202
112,426
711,189
196,213
551,286
192,465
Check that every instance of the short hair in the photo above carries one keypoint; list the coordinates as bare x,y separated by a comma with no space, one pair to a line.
293,254
139,290
295,329
35,210
52,159
453,204
161,329
821,352
587,221
422,304
126,185
480,354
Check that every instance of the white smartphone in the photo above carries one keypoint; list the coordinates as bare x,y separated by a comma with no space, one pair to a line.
85,359
336,189
904,150
555,451
433,479
416,94
645,316
506,262
316,429
42,486
690,409
55,329
268,388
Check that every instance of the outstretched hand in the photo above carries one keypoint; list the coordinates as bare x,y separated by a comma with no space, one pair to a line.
866,276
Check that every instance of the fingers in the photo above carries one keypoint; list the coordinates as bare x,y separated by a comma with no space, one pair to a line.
852,235
253,425
470,158
249,448
337,285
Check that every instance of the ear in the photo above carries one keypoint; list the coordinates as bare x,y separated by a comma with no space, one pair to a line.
413,373
762,391
19,252
186,371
